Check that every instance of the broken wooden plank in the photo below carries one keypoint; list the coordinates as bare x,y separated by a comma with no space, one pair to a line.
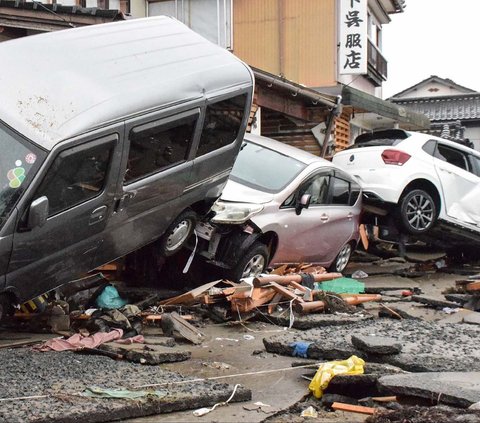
286,292
174,323
190,296
363,236
312,306
246,301
285,280
353,408
473,286
273,304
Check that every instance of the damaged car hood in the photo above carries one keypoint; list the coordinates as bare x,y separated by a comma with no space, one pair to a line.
235,192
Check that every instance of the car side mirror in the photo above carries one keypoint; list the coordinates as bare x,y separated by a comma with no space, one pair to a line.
38,213
303,203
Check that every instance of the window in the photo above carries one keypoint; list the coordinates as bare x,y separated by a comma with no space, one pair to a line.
474,164
155,147
354,193
341,191
210,18
317,187
222,124
76,175
452,156
429,147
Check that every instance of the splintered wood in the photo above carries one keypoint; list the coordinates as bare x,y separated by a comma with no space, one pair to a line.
292,285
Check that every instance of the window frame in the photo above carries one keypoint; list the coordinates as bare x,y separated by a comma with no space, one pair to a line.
110,140
460,152
196,113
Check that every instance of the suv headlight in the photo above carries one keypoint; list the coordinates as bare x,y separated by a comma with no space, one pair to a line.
234,213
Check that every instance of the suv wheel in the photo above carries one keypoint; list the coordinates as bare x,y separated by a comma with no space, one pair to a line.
252,263
418,212
178,233
342,259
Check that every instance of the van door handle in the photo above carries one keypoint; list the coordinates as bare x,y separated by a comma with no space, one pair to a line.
350,216
123,201
98,215
324,217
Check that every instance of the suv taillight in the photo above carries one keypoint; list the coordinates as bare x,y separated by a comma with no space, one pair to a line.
395,157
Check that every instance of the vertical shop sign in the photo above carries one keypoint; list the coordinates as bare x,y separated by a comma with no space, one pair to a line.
353,37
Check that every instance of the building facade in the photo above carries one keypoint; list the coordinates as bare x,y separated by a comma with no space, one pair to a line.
453,110
308,55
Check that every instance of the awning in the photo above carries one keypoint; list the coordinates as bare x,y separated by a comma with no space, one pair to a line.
375,113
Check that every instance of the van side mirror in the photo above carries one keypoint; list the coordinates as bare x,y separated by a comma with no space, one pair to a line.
38,213
303,203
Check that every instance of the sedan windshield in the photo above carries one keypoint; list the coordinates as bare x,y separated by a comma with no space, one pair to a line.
264,169
19,160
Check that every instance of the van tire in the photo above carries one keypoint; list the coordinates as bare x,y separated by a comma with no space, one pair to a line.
253,262
178,233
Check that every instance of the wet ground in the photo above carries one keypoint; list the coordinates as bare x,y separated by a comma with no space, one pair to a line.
231,354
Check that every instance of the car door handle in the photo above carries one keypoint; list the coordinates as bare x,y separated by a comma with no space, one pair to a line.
98,215
445,170
324,217
350,216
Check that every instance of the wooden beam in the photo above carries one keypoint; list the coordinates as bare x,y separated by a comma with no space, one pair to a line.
280,102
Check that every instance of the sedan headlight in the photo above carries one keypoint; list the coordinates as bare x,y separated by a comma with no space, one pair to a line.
234,213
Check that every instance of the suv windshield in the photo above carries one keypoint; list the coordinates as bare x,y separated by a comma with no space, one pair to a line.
19,161
264,169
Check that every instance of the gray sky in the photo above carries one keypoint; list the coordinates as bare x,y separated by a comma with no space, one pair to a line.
433,37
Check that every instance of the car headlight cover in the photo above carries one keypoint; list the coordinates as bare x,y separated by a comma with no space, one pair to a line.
234,213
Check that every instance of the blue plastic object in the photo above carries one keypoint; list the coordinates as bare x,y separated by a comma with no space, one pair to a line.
110,298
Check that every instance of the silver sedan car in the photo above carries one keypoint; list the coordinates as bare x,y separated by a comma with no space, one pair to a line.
281,205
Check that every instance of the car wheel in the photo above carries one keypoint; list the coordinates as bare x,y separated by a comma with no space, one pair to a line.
342,259
252,263
178,233
418,212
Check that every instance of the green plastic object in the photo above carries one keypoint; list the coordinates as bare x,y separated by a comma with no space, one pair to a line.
342,286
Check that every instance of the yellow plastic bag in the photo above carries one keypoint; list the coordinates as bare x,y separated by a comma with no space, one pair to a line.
326,372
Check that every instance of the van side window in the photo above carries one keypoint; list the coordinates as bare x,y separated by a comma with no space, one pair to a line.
157,147
222,123
452,156
77,175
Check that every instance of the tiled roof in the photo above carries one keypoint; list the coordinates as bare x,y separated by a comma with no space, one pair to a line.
60,9
463,107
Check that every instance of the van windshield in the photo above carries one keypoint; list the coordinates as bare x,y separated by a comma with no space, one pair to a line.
264,169
19,160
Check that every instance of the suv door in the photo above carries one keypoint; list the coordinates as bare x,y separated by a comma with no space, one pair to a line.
80,187
456,174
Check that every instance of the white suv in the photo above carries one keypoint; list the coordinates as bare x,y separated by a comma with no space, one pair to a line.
420,178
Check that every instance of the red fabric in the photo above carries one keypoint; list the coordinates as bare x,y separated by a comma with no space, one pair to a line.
138,339
77,341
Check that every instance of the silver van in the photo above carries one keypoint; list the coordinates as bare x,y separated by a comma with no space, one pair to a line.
112,137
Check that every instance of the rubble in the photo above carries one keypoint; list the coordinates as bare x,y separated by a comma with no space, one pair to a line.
459,389
377,344
423,344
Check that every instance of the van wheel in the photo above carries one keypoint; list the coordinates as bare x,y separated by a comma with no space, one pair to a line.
178,233
418,212
342,259
5,306
252,263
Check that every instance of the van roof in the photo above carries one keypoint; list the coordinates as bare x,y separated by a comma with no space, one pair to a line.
60,84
